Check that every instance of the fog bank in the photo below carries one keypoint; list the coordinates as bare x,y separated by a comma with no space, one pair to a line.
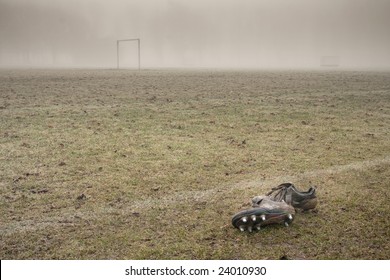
179,33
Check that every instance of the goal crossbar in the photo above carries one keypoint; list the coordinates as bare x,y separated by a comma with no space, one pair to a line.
139,51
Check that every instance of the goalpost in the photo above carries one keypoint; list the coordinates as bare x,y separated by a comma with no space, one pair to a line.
139,51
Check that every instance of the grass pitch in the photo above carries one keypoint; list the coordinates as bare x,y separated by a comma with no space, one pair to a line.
119,164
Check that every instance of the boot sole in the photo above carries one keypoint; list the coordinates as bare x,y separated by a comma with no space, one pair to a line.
255,218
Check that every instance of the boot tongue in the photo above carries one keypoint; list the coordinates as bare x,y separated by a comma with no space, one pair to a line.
288,198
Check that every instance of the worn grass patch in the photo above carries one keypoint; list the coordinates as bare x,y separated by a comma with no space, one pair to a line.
100,164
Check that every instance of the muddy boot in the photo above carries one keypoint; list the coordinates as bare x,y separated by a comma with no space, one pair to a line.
287,192
263,212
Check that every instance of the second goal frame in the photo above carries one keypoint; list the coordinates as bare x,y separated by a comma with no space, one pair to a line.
139,51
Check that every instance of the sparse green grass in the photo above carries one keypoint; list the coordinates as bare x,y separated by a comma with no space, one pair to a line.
165,158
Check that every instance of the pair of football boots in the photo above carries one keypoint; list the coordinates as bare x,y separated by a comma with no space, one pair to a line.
276,207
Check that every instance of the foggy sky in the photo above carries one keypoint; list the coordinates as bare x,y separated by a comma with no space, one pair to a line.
195,33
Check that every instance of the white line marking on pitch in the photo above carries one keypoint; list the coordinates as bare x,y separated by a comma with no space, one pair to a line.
183,197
